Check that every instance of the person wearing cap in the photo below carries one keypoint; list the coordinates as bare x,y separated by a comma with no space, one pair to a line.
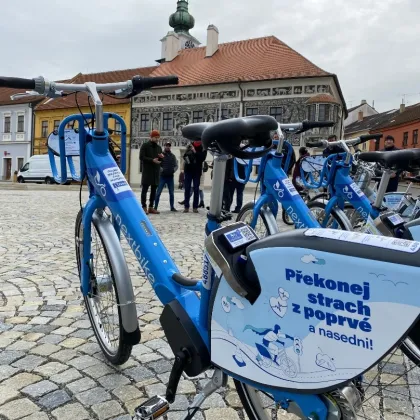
169,166
151,156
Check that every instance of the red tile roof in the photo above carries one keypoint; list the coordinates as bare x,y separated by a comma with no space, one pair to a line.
411,114
322,98
106,77
265,58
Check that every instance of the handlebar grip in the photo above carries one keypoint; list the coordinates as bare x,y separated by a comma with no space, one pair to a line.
143,83
17,83
366,137
307,125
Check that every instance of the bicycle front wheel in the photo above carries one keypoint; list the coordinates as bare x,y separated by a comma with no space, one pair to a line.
266,223
336,220
102,302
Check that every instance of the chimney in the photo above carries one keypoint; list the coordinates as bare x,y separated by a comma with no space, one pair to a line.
402,108
363,102
360,116
212,40
170,47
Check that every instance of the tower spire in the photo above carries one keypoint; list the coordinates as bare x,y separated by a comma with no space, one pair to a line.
181,20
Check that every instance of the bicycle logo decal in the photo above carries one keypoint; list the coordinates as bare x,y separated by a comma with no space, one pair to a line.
348,192
280,191
102,187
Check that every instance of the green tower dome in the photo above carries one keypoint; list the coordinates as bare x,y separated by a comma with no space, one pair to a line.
181,20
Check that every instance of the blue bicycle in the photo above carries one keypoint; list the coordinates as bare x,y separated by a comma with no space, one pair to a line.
276,187
295,319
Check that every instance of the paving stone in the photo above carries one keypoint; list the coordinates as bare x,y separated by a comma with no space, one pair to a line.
50,368
37,416
161,366
32,336
7,394
45,349
67,376
51,339
113,381
42,320
64,355
72,342
155,389
213,401
107,409
221,413
83,362
73,411
127,393
98,370
89,348
21,380
82,334
64,330
8,357
81,385
81,324
29,363
139,373
180,415
18,408
44,329
21,345
93,396
38,389
54,400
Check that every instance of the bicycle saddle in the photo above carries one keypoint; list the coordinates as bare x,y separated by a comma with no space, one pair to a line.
399,159
227,135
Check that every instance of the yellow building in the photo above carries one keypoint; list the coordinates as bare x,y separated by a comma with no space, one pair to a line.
49,113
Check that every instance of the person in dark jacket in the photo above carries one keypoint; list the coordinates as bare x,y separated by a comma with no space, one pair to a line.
151,157
303,152
193,167
169,166
234,185
395,176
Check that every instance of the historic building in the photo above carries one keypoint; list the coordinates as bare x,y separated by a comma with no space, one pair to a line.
16,125
250,77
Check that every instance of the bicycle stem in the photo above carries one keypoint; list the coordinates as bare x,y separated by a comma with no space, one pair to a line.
99,110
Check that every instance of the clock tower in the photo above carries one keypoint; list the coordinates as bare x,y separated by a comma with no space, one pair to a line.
180,38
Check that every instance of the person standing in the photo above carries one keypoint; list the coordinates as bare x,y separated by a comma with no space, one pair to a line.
151,157
169,166
303,153
193,168
239,187
395,176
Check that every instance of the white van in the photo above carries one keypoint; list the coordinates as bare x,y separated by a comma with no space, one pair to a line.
37,169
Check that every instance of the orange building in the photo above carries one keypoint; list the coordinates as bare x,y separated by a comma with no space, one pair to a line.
404,127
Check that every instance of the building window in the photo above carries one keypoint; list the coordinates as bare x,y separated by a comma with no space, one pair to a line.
311,112
56,125
144,122
415,136
167,121
225,113
251,111
405,138
44,129
117,127
20,123
19,163
277,113
197,116
7,124
324,112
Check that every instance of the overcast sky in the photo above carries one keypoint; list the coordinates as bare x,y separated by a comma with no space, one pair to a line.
372,45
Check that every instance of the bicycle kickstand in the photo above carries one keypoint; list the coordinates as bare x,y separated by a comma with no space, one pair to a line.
157,406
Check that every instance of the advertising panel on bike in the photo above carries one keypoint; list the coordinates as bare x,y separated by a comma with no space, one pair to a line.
71,139
321,318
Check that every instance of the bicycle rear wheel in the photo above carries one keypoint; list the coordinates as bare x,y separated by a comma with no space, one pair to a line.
102,302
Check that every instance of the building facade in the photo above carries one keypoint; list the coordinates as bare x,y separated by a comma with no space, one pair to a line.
16,125
360,111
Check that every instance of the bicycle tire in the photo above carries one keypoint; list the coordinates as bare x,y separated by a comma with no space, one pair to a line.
123,350
337,214
286,218
249,208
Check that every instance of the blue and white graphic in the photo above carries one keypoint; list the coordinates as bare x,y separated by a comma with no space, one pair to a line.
279,303
227,303
325,319
311,259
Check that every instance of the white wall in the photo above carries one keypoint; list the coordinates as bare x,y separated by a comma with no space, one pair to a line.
353,116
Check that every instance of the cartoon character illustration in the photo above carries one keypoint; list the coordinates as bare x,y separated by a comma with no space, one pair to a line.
325,361
270,352
311,259
237,357
228,301
279,303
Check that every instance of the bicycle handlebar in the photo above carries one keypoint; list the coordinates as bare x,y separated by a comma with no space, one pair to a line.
17,83
143,83
351,142
305,125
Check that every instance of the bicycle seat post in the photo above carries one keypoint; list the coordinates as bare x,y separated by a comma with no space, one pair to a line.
386,176
218,182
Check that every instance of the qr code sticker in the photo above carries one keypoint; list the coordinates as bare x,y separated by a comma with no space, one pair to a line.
247,233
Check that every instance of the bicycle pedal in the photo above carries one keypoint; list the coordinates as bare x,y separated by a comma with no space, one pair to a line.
151,409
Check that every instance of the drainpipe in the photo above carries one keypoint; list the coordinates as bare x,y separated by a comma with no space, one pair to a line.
32,130
131,138
241,101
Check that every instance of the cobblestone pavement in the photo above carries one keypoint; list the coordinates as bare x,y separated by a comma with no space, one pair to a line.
50,364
